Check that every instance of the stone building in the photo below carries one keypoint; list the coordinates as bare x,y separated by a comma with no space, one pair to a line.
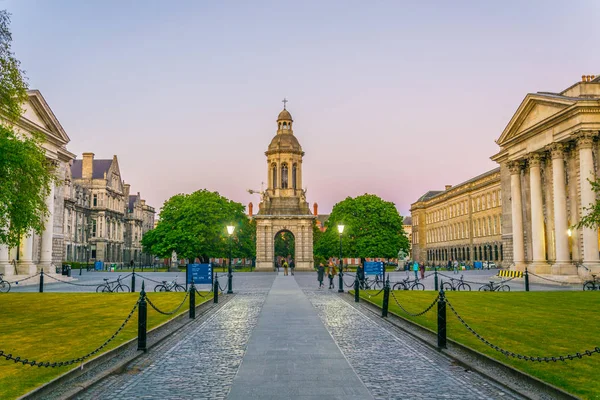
46,250
139,219
549,155
283,205
462,222
407,225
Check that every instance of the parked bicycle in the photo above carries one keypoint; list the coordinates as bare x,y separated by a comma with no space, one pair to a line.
456,284
172,286
593,284
407,284
110,287
4,285
495,287
372,283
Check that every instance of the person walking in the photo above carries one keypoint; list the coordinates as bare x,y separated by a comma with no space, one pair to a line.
320,274
422,270
360,274
331,273
292,266
416,269
285,267
455,265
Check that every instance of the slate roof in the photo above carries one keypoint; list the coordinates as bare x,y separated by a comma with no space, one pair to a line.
430,194
100,167
407,221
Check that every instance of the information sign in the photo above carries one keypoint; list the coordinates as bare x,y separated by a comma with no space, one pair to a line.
373,268
200,273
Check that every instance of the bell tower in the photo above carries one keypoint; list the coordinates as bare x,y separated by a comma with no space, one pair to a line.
283,206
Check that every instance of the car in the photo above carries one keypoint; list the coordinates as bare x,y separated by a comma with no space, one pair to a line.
489,264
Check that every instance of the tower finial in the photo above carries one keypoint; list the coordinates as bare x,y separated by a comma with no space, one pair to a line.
284,101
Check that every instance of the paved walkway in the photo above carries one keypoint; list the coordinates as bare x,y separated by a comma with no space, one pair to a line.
291,355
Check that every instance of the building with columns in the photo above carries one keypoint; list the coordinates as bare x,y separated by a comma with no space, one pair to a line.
548,158
283,206
37,252
461,223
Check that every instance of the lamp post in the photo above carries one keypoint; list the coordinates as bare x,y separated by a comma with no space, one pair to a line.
230,229
341,276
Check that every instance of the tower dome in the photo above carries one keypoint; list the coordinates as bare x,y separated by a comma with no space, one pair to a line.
284,115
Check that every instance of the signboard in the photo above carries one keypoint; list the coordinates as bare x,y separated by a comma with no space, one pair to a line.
200,273
373,268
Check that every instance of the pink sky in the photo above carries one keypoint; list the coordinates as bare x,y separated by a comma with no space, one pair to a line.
391,98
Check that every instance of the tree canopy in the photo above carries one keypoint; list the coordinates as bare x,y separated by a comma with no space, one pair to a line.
372,228
25,173
195,225
591,219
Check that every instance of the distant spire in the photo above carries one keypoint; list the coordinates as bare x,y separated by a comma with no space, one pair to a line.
284,101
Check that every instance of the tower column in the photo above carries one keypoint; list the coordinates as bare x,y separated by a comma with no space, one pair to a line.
517,216
5,267
537,215
585,143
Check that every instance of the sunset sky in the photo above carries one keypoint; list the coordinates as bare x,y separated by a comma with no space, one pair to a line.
388,97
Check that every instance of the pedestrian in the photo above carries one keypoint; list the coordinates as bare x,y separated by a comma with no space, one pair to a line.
416,269
422,269
320,274
292,266
131,264
331,273
455,264
360,274
285,267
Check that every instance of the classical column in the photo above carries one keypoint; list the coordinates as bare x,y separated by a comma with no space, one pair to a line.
585,141
517,215
563,264
26,265
46,245
5,267
537,214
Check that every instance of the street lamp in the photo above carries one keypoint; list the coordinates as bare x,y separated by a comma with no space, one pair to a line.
230,229
341,280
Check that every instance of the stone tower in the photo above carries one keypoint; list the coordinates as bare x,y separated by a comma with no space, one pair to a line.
283,206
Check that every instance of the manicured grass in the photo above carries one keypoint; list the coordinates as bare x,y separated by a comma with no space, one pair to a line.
543,324
61,326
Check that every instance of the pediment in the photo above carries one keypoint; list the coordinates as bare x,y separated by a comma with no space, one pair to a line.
533,111
37,115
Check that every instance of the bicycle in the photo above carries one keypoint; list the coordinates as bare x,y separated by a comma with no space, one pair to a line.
369,284
456,284
172,286
111,287
492,287
407,284
4,285
593,284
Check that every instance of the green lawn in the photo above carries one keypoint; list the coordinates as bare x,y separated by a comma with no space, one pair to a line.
62,326
529,323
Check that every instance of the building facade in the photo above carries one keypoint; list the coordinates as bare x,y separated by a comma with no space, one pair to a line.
549,155
462,222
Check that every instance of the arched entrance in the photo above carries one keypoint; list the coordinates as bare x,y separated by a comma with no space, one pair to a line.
284,246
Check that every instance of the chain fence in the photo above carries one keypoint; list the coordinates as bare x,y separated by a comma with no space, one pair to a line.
425,311
149,279
168,312
23,280
507,353
548,279
48,364
87,284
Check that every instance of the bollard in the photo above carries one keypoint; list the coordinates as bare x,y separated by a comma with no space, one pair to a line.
216,290
386,298
526,280
42,281
142,320
341,279
441,329
356,289
230,282
133,282
192,301
435,280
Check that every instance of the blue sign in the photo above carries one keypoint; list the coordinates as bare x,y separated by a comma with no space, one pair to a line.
200,273
98,265
373,268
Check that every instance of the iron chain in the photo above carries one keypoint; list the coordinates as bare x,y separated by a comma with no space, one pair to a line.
168,312
417,314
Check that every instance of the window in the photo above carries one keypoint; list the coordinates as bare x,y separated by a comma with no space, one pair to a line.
95,201
93,228
500,203
274,176
284,176
294,179
494,199
478,203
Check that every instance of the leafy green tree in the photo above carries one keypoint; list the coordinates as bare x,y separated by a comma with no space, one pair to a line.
285,244
25,174
372,228
194,225
591,219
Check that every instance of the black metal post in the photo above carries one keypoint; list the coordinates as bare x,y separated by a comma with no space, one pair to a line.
192,301
386,298
356,289
216,289
142,320
435,280
341,275
133,281
229,273
441,320
42,281
526,280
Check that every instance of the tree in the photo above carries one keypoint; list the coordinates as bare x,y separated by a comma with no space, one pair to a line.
25,173
194,225
372,228
285,244
592,218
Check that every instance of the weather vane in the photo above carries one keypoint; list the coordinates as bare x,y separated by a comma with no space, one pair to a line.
284,101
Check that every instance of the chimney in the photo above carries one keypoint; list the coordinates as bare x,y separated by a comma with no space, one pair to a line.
448,187
126,187
250,206
315,209
582,78
87,166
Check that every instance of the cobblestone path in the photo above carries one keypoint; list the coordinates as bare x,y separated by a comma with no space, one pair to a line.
200,365
397,366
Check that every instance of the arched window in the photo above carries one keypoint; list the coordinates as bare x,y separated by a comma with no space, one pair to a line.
284,175
274,167
294,179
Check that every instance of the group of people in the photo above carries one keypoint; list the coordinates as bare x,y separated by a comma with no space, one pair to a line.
285,264
331,273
